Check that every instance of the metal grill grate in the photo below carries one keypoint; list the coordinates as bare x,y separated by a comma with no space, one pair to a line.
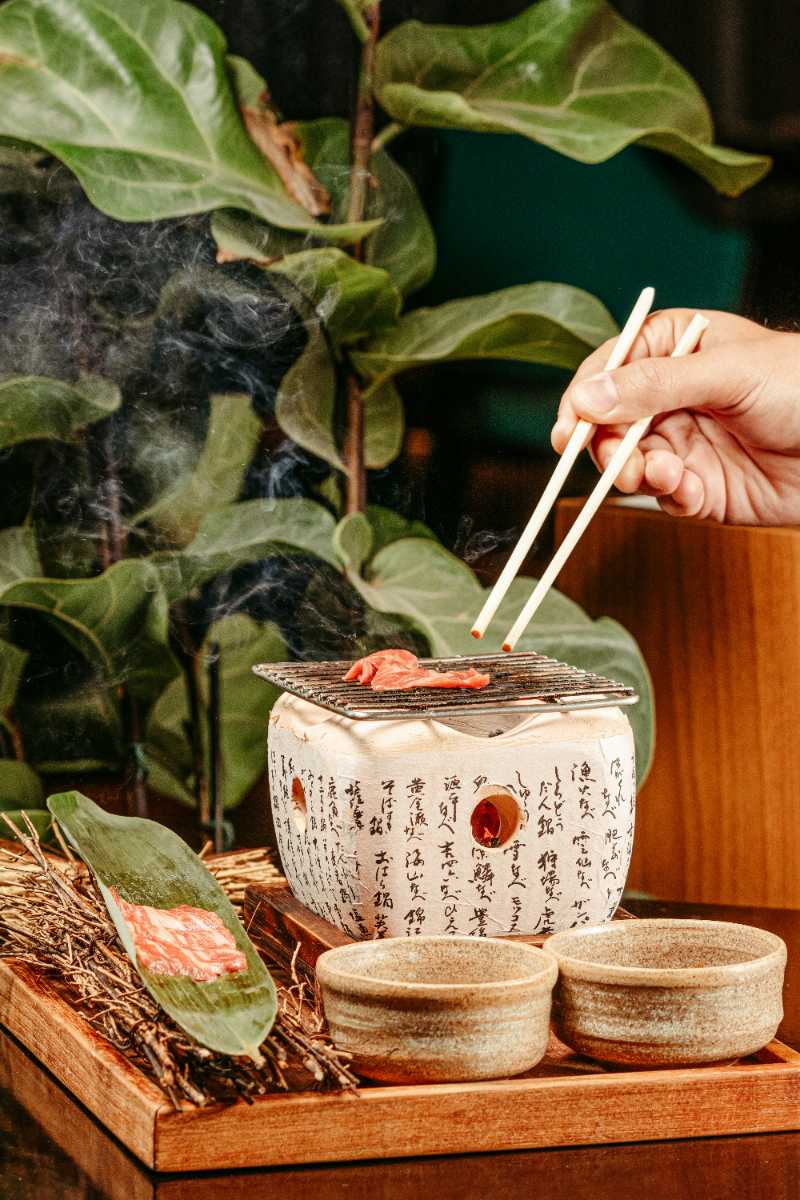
531,682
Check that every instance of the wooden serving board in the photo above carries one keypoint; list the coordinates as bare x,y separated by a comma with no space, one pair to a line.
564,1101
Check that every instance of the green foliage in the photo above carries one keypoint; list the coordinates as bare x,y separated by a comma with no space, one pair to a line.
570,74
117,620
536,322
245,707
244,533
142,104
33,408
20,787
136,100
231,440
19,554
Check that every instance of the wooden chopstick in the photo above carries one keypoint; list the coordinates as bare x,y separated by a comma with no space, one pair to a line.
686,344
580,436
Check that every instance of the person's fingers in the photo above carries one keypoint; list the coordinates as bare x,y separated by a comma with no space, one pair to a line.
717,380
630,477
688,499
663,472
661,332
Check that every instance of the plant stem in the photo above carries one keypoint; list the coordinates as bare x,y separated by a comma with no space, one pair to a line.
112,550
214,745
353,448
386,135
363,125
361,148
190,658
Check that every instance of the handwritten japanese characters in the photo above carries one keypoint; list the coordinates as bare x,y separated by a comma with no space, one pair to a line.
387,845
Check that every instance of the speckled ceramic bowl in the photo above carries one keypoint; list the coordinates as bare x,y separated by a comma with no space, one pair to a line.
431,1009
668,992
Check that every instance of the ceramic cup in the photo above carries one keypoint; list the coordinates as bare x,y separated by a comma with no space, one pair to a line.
667,992
433,1009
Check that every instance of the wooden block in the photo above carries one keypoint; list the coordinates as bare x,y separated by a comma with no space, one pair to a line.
278,923
714,609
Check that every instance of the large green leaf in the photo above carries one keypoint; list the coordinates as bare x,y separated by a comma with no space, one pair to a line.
550,323
243,533
244,708
12,664
231,440
353,540
118,620
306,409
77,730
403,244
137,101
32,406
20,787
389,526
570,74
145,863
420,580
351,298
19,554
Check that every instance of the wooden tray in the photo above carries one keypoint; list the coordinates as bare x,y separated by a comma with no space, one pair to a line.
564,1101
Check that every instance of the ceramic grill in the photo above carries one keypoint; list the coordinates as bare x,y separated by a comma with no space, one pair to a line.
530,682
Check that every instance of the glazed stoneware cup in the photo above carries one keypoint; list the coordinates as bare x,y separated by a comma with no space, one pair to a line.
433,1009
667,992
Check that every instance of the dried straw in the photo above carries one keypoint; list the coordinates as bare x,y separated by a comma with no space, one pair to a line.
52,916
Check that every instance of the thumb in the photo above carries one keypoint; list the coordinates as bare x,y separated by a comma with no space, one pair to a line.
651,386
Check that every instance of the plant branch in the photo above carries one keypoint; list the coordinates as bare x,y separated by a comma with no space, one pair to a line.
190,657
113,538
361,148
386,135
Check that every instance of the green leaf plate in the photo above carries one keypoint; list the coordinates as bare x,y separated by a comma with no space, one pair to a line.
148,864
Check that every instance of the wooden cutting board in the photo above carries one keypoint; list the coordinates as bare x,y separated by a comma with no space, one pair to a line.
564,1101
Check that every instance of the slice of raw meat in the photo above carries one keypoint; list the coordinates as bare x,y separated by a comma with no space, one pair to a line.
365,669
390,678
399,671
182,941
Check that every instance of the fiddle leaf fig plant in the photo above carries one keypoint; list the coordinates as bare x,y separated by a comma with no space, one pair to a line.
143,537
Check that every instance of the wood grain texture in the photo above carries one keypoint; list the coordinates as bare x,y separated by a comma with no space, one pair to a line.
715,611
111,1169
723,1166
564,1101
88,1066
278,923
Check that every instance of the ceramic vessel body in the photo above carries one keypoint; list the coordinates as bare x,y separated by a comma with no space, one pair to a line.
668,992
376,830
436,1010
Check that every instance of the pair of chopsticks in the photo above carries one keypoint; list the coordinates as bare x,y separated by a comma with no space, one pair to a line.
579,439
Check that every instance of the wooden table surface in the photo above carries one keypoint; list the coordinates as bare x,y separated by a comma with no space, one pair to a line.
51,1148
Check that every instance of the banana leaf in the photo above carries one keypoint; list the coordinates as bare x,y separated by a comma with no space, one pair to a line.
145,863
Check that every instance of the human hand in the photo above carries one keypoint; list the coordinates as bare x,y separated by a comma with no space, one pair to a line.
724,439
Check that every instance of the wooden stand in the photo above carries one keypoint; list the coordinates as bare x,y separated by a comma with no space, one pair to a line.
715,611
281,926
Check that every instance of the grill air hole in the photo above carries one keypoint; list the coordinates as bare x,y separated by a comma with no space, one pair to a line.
496,818
299,805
